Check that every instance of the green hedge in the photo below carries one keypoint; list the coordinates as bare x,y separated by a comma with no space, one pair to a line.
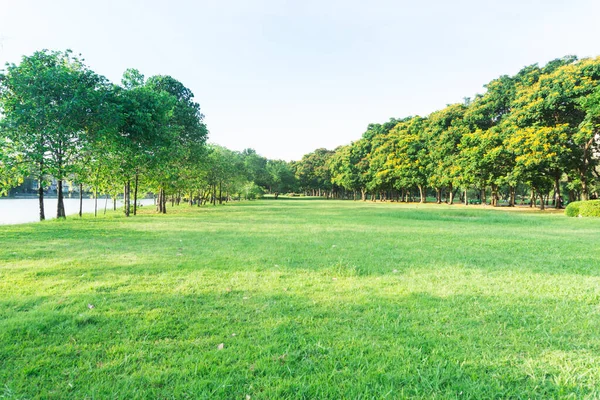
590,208
572,209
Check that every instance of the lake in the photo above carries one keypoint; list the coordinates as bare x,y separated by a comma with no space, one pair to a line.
20,211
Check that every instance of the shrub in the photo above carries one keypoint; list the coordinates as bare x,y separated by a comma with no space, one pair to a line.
572,209
590,208
252,191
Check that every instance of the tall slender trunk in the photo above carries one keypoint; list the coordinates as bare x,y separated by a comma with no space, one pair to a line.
363,194
532,198
483,198
494,195
557,195
60,207
542,206
105,203
162,201
438,195
584,189
450,193
135,190
96,201
126,194
557,198
422,194
115,203
80,199
511,201
41,200
466,197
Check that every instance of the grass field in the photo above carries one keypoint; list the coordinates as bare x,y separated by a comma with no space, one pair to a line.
302,299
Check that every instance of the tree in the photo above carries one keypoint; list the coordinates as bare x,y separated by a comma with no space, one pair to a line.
444,131
282,177
313,172
48,101
408,161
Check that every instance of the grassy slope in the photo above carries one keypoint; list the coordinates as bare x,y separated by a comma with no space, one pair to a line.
311,299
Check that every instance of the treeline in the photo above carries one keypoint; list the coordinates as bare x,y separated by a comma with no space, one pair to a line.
62,121
534,135
535,132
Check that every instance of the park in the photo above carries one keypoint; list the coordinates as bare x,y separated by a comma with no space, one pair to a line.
299,200
302,298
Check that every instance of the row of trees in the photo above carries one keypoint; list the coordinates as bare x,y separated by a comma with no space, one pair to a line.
537,131
62,121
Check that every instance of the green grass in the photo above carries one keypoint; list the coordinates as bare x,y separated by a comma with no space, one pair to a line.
310,299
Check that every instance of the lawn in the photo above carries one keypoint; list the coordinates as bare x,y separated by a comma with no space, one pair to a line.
302,299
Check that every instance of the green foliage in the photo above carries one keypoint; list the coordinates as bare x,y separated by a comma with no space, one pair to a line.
589,208
539,128
252,191
282,177
572,209
313,170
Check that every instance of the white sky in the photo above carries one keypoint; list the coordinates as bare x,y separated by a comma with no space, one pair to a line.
287,77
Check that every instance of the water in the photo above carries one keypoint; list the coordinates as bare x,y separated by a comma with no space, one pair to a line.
20,211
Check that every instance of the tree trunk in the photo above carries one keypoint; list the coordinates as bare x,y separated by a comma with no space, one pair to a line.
135,190
584,190
450,193
532,198
438,195
542,206
96,202
511,201
495,196
80,199
422,194
363,194
60,208
105,204
126,194
41,200
466,198
483,198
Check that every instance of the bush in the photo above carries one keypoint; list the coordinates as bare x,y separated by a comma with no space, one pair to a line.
252,191
572,209
590,208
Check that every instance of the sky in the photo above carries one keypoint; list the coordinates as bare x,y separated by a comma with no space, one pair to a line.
288,77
